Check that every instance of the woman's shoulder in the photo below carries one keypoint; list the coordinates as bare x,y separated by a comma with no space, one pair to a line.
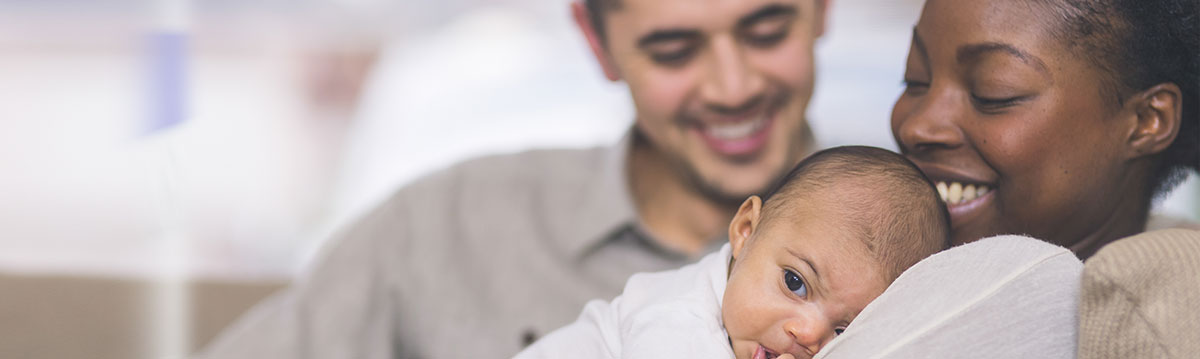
1159,221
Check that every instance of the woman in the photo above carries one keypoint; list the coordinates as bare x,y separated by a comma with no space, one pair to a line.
1059,119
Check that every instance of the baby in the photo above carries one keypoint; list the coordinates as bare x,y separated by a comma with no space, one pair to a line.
800,265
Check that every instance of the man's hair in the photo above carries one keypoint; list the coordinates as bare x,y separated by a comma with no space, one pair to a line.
1139,44
893,206
596,11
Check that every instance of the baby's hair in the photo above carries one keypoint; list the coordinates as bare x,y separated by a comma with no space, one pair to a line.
895,208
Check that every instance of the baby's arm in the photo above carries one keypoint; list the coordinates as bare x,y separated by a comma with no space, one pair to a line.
674,330
592,335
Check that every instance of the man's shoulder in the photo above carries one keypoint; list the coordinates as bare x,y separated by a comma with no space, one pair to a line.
539,169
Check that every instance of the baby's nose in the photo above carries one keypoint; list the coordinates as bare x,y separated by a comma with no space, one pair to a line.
810,334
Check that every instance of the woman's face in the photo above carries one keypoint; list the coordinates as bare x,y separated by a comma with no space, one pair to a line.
1016,127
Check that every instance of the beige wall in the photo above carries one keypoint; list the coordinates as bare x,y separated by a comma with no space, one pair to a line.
64,317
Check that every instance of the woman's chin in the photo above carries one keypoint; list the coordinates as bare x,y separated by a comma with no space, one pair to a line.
970,220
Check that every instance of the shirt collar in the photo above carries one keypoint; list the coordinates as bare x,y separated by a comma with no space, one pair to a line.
605,207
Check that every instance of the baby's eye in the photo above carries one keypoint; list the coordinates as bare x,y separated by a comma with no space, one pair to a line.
795,283
838,330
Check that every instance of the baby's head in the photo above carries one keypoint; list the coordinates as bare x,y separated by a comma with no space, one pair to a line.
832,235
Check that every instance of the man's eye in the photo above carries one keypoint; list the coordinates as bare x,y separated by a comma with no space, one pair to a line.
795,283
673,57
766,39
767,32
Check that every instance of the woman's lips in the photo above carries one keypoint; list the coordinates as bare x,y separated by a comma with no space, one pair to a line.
964,200
956,193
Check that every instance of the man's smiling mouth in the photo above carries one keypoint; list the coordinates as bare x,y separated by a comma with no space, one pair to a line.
737,137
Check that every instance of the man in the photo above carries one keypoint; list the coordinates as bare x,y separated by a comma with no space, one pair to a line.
479,259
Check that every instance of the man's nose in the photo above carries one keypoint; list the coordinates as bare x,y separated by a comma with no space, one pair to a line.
732,83
810,332
929,122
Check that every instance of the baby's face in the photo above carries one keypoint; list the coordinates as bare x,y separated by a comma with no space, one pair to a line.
796,282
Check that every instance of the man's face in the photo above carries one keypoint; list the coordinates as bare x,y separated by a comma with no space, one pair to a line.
720,86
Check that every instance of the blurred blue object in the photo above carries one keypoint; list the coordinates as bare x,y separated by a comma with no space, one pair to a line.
168,54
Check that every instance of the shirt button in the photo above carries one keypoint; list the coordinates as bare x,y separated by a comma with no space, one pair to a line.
528,337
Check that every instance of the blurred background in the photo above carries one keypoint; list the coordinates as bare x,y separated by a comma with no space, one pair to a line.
167,163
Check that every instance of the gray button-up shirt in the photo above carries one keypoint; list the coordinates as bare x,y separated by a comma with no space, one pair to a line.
474,261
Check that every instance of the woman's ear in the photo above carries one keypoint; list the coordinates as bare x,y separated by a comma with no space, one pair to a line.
744,223
1159,112
595,40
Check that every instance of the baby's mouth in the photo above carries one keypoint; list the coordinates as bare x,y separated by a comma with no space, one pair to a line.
956,193
763,353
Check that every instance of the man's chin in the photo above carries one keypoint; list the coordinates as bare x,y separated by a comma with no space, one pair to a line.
730,195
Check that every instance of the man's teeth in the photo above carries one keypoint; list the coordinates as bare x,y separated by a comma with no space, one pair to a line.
955,192
733,131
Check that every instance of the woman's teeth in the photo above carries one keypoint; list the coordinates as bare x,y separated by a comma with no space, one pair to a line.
736,130
955,192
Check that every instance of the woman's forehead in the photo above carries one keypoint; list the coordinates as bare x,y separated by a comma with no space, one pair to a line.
1019,23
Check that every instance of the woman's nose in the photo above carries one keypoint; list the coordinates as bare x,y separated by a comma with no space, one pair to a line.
732,84
926,122
809,333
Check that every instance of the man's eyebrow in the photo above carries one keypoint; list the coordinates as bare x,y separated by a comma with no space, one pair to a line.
973,52
769,11
658,36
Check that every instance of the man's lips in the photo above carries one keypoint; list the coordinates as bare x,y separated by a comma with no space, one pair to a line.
740,137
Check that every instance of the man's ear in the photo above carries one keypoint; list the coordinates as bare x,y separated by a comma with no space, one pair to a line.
822,18
1159,112
744,223
583,20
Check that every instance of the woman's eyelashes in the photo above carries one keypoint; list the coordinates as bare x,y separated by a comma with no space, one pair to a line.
794,283
992,105
915,87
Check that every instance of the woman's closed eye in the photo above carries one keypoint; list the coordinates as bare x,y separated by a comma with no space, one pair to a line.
991,105
794,283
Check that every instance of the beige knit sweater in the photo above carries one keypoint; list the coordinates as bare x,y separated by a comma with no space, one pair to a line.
1141,298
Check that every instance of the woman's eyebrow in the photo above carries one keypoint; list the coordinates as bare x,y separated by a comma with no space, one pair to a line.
972,52
920,45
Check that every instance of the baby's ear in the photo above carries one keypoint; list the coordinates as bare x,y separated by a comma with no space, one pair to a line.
744,223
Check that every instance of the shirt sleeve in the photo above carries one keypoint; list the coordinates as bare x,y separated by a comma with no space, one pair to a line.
593,335
674,330
343,308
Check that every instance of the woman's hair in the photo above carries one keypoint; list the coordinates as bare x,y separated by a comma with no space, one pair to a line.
1142,43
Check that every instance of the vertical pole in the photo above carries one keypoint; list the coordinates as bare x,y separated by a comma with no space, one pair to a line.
168,327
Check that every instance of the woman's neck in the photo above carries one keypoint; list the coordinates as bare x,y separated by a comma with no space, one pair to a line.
1127,218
